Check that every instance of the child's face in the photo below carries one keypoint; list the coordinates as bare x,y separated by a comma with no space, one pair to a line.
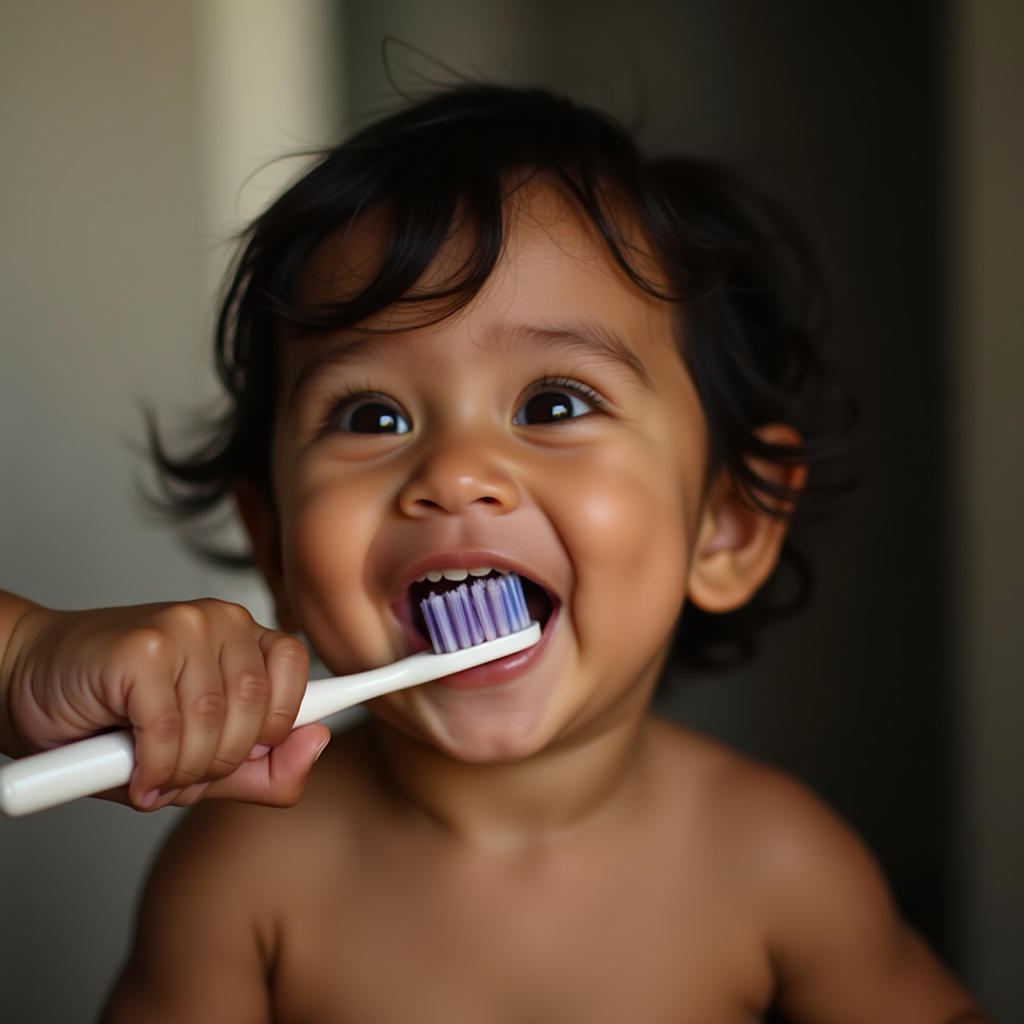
550,428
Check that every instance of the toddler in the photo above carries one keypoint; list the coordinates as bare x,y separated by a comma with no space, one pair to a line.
485,335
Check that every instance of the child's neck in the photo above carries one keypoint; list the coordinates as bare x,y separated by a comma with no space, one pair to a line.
519,805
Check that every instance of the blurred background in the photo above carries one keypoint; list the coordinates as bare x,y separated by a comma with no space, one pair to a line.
137,137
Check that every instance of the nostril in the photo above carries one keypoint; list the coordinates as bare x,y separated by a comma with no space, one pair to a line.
453,482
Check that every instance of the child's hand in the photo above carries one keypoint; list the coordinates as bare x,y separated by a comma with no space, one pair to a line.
210,694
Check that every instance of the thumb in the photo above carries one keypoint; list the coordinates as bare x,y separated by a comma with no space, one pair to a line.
278,777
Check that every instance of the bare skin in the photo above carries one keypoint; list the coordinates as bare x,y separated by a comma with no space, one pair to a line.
522,843
698,890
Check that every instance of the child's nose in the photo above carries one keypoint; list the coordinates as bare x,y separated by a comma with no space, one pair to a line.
457,477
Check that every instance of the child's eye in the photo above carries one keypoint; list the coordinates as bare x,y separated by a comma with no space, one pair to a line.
555,400
370,414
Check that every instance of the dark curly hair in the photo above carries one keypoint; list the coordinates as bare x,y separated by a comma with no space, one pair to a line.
731,261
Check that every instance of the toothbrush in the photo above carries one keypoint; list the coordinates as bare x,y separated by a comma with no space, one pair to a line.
468,626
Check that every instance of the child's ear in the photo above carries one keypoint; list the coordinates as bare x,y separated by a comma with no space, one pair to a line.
261,525
738,545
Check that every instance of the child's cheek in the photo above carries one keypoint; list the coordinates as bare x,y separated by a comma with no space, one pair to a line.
624,518
328,527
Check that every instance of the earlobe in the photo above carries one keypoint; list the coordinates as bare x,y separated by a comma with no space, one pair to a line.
737,544
262,528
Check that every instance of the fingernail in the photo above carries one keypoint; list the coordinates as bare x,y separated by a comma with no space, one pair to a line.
149,799
323,747
258,751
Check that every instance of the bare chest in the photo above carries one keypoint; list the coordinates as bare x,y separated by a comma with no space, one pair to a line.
547,942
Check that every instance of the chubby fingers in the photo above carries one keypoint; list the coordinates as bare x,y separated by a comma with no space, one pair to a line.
287,666
216,685
156,666
276,778
263,684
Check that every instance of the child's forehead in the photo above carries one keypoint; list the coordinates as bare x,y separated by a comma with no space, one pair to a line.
346,262
540,223
555,296
556,291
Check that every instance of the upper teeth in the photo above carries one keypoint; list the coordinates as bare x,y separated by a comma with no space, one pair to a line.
457,575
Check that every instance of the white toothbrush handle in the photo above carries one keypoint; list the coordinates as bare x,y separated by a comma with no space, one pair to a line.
102,762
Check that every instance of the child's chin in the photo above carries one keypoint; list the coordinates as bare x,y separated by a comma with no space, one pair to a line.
501,745
495,735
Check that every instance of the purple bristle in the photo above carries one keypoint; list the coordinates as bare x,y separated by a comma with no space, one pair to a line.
428,617
479,594
512,591
516,604
508,604
497,606
460,609
476,630
470,615
445,632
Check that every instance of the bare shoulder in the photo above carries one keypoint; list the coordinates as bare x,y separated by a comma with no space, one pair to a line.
814,892
775,824
770,828
223,891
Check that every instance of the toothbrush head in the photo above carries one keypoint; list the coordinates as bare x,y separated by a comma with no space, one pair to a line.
472,614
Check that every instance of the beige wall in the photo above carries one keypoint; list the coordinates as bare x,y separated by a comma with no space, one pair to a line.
127,132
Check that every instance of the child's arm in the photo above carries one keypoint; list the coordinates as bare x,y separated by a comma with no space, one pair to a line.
841,953
200,683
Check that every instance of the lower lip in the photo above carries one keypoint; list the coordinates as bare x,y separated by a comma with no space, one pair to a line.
504,670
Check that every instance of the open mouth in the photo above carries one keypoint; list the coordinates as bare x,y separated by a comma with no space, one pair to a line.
538,602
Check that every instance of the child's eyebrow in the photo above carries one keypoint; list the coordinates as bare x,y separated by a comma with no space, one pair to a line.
582,337
337,353
587,337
